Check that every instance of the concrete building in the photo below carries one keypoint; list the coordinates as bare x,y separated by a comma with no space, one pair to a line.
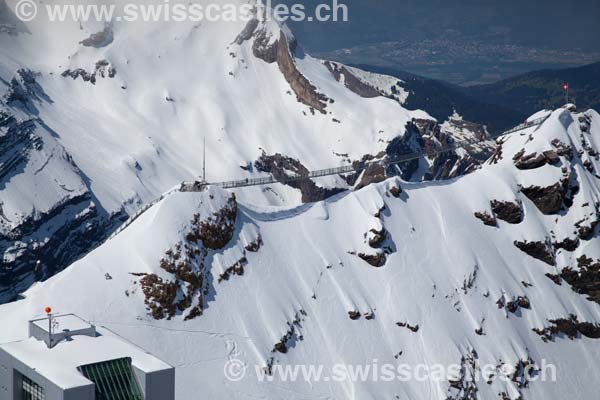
66,358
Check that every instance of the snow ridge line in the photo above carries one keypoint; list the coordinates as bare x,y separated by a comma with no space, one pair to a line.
142,210
200,186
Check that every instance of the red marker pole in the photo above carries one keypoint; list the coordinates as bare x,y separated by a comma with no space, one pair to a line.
49,313
566,89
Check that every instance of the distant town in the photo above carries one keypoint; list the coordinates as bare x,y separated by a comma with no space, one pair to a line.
461,61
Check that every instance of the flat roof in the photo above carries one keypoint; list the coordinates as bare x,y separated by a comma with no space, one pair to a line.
69,322
59,364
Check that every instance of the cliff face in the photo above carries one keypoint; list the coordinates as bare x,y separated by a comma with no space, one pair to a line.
48,214
280,51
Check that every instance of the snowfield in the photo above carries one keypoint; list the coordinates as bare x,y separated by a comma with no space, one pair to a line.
451,287
92,130
491,262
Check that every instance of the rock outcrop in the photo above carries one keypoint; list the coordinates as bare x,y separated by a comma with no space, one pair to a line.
486,218
351,82
438,146
507,211
191,280
99,39
102,69
216,231
282,167
376,260
538,250
585,279
534,160
571,327
281,51
548,199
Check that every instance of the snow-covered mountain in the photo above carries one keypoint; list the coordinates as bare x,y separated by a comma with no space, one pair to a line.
499,267
98,120
483,255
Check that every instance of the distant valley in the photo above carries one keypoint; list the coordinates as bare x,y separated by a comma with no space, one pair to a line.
504,103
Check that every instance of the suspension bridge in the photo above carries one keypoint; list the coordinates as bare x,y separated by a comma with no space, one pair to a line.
198,186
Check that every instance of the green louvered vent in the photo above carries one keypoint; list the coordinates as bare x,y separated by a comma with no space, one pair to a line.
114,380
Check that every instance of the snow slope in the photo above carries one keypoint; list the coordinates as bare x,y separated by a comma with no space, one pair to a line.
133,143
459,284
120,112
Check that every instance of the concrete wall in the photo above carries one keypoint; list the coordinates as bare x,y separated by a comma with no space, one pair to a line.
11,376
158,385
51,340
6,376
81,393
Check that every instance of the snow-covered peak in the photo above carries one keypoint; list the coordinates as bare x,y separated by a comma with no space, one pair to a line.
480,270
107,117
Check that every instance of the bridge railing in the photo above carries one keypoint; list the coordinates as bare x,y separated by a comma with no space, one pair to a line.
358,167
354,168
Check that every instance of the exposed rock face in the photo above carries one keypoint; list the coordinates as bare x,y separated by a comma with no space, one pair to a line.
35,245
372,174
376,260
585,280
264,46
247,33
354,315
571,327
292,335
563,149
497,155
235,269
306,93
587,227
412,328
254,246
103,69
186,263
376,237
190,281
281,51
24,91
520,302
99,39
395,191
478,133
438,149
534,160
428,137
350,81
507,211
281,166
547,199
160,296
218,230
464,387
567,244
486,218
538,250
18,141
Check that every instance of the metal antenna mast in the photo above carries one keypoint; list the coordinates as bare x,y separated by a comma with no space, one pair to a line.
204,161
